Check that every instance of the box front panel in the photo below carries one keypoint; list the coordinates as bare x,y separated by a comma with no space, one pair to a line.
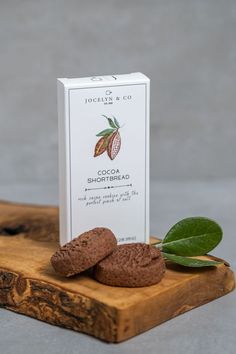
108,160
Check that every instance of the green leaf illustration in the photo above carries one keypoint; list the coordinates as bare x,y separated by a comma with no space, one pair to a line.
190,262
110,121
105,132
116,122
194,236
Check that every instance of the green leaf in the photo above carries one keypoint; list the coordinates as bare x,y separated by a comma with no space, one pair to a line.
190,262
103,115
110,121
105,132
116,122
193,236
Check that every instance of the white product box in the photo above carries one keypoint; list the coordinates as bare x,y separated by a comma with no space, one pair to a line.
104,156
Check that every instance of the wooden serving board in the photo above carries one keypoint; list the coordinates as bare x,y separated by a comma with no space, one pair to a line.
29,285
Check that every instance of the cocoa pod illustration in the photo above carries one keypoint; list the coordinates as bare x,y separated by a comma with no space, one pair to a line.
114,144
101,146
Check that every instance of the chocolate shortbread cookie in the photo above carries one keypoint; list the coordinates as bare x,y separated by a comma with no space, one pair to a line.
84,251
131,265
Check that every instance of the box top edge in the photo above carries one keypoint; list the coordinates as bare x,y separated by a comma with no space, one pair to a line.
104,80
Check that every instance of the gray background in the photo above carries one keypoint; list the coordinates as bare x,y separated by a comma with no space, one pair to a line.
187,48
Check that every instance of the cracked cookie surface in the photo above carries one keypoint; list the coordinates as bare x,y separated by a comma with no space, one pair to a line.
84,251
131,265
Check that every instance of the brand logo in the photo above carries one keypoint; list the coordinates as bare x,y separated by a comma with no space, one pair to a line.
108,98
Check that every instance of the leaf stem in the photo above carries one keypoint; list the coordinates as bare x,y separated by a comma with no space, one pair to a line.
158,244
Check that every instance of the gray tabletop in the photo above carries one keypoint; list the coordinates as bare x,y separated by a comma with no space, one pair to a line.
208,329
